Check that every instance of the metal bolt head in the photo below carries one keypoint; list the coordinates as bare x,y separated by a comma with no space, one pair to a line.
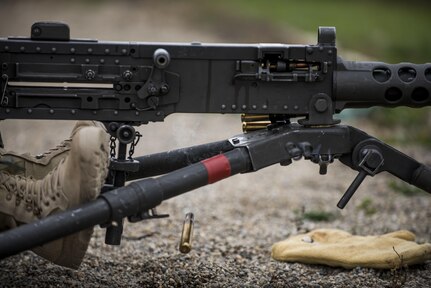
152,90
37,31
90,74
373,157
295,153
321,105
127,75
164,89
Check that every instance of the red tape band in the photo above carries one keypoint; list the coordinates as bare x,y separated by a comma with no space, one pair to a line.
218,168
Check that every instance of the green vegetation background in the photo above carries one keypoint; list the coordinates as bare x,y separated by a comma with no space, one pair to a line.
393,30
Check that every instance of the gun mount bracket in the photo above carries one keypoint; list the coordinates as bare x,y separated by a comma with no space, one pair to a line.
320,112
156,85
324,161
119,166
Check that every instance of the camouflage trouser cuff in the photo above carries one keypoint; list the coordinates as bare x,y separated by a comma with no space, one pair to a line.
9,164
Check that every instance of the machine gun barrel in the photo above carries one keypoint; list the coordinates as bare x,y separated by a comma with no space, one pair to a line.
367,84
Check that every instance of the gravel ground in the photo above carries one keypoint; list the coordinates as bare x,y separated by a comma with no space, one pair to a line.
237,220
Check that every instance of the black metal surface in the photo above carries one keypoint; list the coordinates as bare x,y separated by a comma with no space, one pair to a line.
395,162
281,144
352,189
322,145
114,230
50,228
368,84
148,81
54,31
116,204
165,162
422,178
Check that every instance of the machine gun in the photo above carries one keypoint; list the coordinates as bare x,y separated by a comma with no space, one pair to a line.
50,76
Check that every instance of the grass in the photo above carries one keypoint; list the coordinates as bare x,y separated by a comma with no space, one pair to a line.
404,189
406,125
318,216
367,206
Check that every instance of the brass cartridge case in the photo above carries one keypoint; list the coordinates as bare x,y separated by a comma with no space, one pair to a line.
187,234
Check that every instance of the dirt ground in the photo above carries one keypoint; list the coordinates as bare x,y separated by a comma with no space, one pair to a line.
237,220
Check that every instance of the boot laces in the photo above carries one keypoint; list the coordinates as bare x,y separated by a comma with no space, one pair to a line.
29,193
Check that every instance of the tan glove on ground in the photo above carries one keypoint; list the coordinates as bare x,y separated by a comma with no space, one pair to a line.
338,248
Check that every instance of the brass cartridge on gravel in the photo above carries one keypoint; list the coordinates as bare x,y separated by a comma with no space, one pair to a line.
187,234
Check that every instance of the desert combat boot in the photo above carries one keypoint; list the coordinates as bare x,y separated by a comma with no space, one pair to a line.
38,166
76,179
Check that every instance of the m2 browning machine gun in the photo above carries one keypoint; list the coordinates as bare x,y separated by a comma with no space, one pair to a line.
50,76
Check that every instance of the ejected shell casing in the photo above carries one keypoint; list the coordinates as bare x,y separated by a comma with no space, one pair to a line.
187,234
254,118
253,126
